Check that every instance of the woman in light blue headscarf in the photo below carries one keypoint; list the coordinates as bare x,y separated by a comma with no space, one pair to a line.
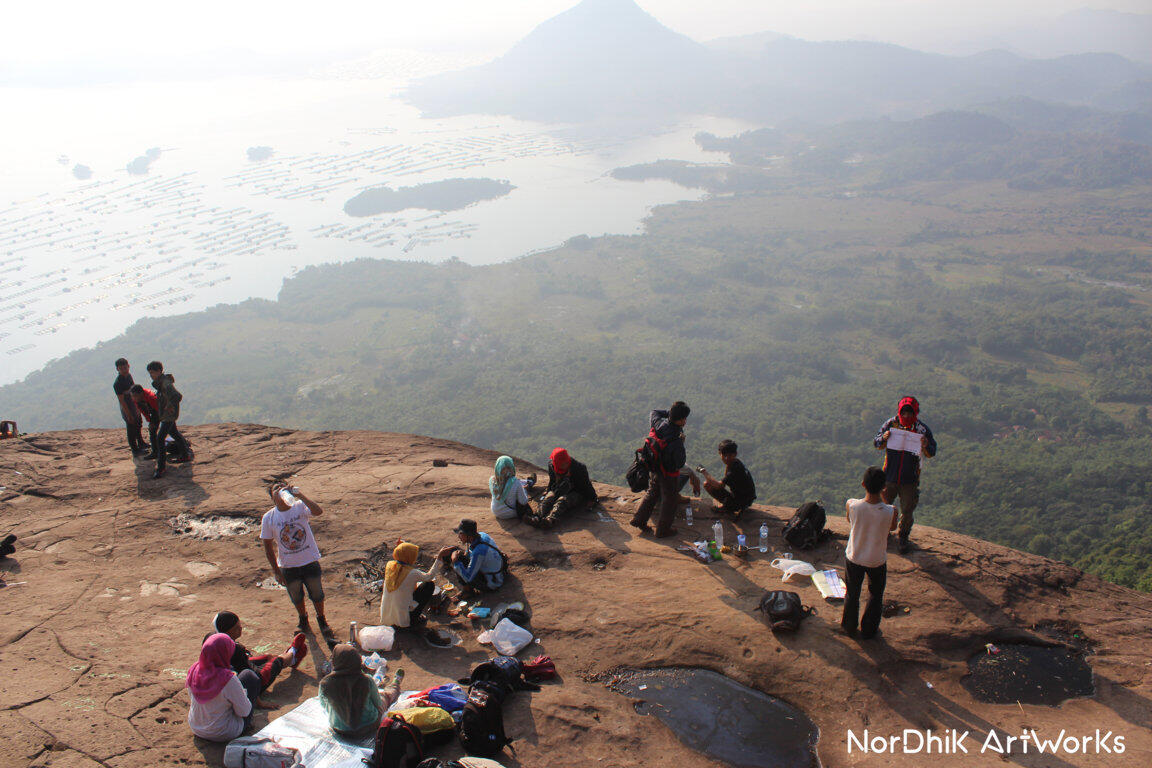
509,493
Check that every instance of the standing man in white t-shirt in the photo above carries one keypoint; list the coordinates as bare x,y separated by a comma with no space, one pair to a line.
870,521
292,552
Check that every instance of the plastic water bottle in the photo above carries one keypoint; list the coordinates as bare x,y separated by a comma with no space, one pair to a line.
718,533
741,540
287,497
763,537
379,677
688,514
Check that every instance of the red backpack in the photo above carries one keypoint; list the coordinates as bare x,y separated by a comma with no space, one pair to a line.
539,668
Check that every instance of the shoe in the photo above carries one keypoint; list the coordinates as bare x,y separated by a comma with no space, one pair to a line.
399,675
850,631
302,625
642,527
666,534
327,633
158,474
300,645
904,546
872,636
149,456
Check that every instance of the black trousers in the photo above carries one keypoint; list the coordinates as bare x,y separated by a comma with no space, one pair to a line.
877,578
168,428
662,490
135,437
422,595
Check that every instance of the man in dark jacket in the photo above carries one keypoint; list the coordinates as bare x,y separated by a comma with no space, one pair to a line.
911,439
168,404
569,489
665,445
128,411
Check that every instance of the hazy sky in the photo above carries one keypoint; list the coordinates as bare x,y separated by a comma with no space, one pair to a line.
71,30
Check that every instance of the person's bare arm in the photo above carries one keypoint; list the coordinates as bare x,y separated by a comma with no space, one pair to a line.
895,517
313,507
270,553
848,512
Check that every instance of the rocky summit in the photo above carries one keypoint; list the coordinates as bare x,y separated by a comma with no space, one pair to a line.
116,577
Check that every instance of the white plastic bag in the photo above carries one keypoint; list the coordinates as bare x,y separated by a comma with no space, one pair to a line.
377,638
506,637
793,568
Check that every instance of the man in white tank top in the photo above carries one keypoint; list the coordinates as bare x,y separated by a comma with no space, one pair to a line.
870,521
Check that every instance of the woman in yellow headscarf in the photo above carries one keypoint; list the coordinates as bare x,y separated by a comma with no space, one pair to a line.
402,601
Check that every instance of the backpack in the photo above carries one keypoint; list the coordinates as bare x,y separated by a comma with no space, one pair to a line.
482,724
434,723
806,528
784,610
650,453
638,474
397,745
253,752
505,671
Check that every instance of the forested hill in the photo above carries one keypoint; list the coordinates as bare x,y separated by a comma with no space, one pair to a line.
791,323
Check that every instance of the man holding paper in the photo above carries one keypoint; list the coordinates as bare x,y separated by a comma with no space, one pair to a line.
904,440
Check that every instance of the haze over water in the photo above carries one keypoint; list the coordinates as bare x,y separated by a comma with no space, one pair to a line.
83,259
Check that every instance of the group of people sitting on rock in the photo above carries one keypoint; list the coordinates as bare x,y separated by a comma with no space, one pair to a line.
227,680
159,406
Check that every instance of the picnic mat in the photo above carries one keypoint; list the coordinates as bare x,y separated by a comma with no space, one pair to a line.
829,584
306,728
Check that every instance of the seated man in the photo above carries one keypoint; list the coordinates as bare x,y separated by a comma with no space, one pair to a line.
265,665
737,490
569,489
480,565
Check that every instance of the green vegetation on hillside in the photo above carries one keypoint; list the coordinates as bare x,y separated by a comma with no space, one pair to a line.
792,323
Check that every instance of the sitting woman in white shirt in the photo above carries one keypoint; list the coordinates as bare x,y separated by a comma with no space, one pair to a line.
509,493
402,602
222,701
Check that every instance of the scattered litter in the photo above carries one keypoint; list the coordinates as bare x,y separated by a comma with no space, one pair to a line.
479,612
929,685
506,637
992,650
643,688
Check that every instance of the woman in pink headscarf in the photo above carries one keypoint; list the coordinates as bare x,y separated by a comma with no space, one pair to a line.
222,701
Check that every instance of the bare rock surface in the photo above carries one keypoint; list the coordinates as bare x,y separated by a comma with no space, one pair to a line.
123,575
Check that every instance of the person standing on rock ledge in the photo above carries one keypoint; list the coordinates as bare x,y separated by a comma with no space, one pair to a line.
128,410
168,404
292,552
665,446
904,439
870,520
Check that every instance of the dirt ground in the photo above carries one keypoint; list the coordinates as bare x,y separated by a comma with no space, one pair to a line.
116,578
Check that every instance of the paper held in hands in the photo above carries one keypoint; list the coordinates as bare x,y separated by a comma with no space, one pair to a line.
904,440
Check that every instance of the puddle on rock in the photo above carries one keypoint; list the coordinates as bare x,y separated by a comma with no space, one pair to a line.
212,527
727,721
1030,674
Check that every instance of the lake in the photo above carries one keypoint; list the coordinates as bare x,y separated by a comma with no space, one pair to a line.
143,200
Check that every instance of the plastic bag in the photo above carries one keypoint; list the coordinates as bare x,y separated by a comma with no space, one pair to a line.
253,752
377,638
793,568
506,637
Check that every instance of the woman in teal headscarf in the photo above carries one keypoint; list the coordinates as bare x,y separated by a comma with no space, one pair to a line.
509,493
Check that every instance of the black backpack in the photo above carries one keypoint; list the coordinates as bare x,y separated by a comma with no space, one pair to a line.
784,610
638,474
398,745
806,528
505,671
482,722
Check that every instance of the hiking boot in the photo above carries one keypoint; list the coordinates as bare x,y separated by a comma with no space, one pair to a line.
904,546
667,533
302,625
327,633
150,456
158,474
642,527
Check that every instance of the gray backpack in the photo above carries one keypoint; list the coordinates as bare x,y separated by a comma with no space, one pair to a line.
251,752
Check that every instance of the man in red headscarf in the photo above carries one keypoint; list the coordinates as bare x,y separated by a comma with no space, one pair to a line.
569,489
904,440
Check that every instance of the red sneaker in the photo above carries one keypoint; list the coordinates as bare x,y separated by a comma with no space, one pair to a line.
300,644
